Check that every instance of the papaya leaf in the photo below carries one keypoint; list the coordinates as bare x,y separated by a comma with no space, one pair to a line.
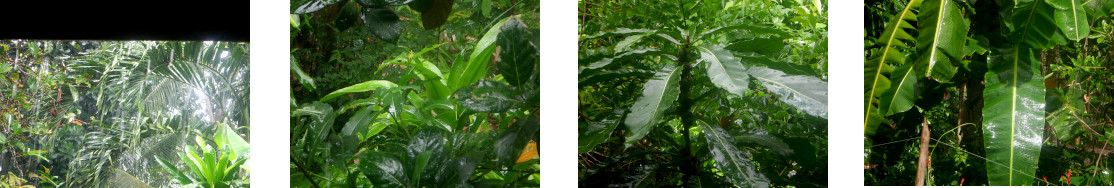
658,95
899,97
879,64
612,75
765,46
724,71
360,87
809,94
733,162
943,34
383,23
1071,18
1014,117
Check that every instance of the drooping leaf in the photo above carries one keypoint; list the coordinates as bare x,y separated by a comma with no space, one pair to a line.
880,62
612,75
809,94
943,35
620,32
658,95
597,132
360,87
518,56
1014,116
899,97
383,23
765,46
724,70
511,142
735,164
1071,18
437,13
383,170
303,78
312,5
487,96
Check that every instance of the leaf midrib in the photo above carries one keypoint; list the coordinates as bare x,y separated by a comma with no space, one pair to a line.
882,61
798,93
936,38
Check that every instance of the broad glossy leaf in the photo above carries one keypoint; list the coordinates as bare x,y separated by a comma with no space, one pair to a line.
658,95
604,62
899,97
1034,25
943,34
809,94
1013,124
312,5
1071,18
724,70
358,123
227,136
383,23
733,162
626,43
788,68
1065,123
511,142
437,13
765,46
360,87
518,56
597,132
773,143
880,62
487,96
383,170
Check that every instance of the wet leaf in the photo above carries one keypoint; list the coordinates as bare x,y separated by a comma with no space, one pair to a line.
1013,127
734,163
809,94
383,170
383,23
518,56
658,95
512,140
725,72
597,132
487,96
943,35
1071,18
312,5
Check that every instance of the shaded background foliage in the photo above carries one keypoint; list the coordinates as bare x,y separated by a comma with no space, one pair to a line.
629,48
423,93
1073,70
97,113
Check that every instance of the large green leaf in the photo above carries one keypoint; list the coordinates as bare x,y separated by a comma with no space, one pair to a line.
383,170
765,46
487,96
348,16
733,162
360,87
518,56
303,78
589,80
437,13
899,97
879,64
1071,18
943,36
724,70
1014,116
465,73
658,95
809,94
227,136
597,132
512,140
383,23
1034,25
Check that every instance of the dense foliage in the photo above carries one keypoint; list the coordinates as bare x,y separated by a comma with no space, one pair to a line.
703,93
1011,92
417,93
113,114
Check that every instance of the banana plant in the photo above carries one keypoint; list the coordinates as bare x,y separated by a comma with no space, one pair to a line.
948,51
686,80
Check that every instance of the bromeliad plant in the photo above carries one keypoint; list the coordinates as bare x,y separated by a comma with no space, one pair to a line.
993,56
698,119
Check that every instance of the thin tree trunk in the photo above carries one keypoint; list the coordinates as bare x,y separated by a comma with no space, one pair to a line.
922,162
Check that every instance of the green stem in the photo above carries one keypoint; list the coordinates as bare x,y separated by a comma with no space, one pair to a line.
685,110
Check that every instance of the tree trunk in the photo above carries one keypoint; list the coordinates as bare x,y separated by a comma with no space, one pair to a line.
922,162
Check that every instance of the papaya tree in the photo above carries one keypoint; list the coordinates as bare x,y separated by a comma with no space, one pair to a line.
705,93
979,72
